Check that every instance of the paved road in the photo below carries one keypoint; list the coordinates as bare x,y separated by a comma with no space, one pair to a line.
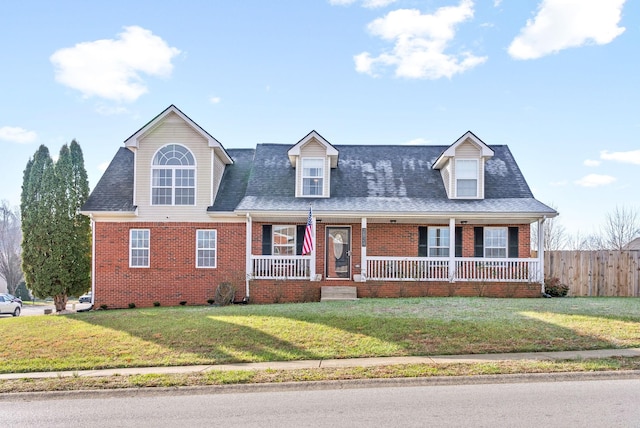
601,403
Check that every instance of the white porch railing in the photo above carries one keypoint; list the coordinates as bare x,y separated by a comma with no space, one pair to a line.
407,269
280,267
466,269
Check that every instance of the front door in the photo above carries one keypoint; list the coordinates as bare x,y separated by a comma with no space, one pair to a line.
338,252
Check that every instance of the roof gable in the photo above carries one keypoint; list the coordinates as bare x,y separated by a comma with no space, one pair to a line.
332,152
134,140
468,137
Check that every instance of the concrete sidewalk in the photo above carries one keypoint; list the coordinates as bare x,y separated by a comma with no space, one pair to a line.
337,363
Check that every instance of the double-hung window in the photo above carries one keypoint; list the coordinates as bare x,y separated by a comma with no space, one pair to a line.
206,244
284,240
438,241
495,242
466,178
312,176
173,173
139,248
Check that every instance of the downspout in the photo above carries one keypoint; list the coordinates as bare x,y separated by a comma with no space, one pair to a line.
249,261
452,250
93,260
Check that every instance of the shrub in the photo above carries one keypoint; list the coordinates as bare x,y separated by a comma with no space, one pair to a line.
210,301
103,306
554,288
132,305
183,302
156,304
224,294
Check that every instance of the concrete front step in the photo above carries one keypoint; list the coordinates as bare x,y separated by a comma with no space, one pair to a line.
338,292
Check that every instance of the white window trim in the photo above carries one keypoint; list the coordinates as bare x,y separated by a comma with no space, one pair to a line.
215,249
506,242
273,239
302,176
477,178
131,248
173,169
429,246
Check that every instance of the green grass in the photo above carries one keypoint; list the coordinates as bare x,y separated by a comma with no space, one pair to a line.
364,328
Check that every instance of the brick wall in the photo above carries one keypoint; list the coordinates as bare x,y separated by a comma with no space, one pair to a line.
173,277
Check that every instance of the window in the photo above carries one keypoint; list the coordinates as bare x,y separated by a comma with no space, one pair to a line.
466,178
284,240
173,176
139,248
495,242
312,177
206,248
438,241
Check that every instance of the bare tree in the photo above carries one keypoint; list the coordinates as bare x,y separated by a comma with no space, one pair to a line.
621,226
581,242
10,250
554,234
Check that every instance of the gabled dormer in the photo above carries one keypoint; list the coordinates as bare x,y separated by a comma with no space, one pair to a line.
461,166
313,157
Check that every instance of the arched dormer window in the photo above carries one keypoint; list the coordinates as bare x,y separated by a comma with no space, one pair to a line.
173,173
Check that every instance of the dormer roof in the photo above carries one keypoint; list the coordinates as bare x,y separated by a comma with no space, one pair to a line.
332,152
449,152
134,139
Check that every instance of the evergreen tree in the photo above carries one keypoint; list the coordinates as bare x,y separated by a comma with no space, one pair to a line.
56,243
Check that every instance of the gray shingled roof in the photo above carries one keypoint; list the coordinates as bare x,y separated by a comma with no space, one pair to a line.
114,191
377,179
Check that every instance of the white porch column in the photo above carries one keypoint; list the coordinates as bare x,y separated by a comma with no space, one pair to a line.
249,262
541,227
363,249
312,262
452,249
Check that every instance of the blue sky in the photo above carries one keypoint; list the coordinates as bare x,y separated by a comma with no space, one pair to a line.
558,81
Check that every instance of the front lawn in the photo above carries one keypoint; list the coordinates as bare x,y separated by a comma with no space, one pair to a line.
364,328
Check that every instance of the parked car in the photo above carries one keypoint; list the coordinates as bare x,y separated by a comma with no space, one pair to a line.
12,298
9,306
85,298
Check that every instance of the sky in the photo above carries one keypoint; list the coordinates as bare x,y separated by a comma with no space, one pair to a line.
558,81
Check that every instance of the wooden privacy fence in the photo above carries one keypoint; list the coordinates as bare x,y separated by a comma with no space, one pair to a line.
595,273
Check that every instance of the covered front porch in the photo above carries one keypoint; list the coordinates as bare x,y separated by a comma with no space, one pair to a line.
379,249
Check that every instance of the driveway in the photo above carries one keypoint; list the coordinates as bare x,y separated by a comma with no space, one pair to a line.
29,310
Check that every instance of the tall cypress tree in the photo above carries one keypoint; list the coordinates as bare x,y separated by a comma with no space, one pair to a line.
56,237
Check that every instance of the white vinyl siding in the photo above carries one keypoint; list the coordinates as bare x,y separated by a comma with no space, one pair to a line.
139,248
206,248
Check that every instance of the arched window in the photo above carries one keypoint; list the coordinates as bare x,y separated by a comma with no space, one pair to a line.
173,176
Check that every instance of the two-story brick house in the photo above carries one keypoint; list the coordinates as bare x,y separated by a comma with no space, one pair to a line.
175,214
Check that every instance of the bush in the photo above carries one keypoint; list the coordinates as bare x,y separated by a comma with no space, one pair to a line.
224,294
132,305
210,301
156,304
103,306
183,302
554,288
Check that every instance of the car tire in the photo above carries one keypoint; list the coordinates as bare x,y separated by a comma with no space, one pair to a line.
16,313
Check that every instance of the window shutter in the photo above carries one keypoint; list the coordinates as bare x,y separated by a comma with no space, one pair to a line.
300,229
458,241
478,242
513,242
266,239
422,241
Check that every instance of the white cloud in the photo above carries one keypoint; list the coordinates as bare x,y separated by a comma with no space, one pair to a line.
632,156
562,24
215,100
417,142
420,41
590,162
17,135
112,68
369,4
595,180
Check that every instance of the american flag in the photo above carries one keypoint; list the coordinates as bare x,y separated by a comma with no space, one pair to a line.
307,245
